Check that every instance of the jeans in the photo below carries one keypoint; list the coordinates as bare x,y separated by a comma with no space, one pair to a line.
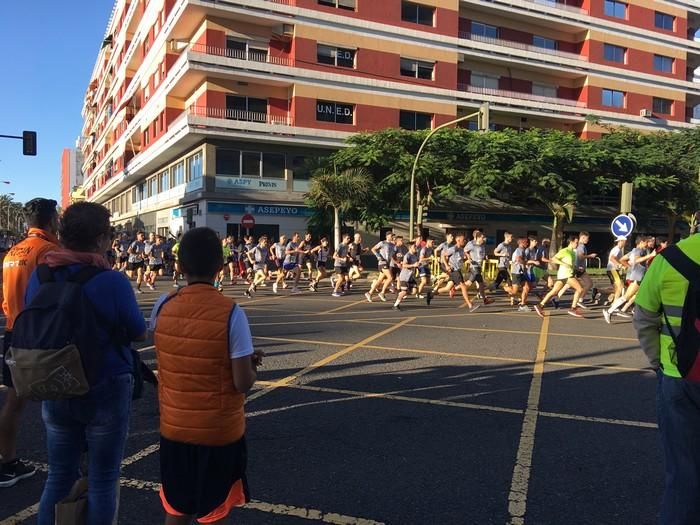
678,412
98,423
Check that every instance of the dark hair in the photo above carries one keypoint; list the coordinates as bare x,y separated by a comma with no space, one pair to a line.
82,225
201,253
40,212
572,238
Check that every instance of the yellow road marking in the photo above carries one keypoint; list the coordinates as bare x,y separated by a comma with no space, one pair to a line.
623,422
517,498
329,359
21,516
344,307
146,348
301,341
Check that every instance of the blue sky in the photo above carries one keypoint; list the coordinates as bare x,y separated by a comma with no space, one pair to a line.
47,51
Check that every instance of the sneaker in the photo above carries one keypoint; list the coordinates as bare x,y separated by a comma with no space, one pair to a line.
575,312
488,300
334,294
429,298
539,311
512,301
274,287
176,285
13,472
368,297
606,315
624,315
151,287
382,297
139,291
296,291
523,308
285,286
396,307
582,306
474,308
247,294
594,294
420,296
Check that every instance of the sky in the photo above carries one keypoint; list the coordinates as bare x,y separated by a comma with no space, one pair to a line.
47,51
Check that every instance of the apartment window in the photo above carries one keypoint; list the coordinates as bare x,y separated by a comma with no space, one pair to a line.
544,90
178,173
613,53
485,30
664,21
615,9
663,64
164,180
417,68
194,166
335,112
663,106
146,136
613,98
153,187
417,13
244,50
249,109
250,162
484,81
273,165
335,56
544,42
414,120
340,4
228,162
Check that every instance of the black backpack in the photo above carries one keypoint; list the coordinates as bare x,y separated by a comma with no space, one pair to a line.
687,340
55,351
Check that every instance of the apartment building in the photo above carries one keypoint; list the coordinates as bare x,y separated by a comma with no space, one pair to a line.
201,111
71,173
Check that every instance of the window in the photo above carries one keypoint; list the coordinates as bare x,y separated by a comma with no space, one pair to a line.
250,163
663,64
246,108
613,53
484,30
417,68
335,56
273,165
228,162
146,136
417,13
544,42
178,172
413,120
544,90
335,112
484,81
153,187
244,50
194,166
340,4
615,9
613,98
663,106
164,180
664,21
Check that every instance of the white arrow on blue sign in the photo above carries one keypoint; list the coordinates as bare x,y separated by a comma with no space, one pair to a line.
622,226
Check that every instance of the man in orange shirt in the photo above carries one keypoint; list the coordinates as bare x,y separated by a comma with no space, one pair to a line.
19,264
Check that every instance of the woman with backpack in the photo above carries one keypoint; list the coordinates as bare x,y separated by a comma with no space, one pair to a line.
98,420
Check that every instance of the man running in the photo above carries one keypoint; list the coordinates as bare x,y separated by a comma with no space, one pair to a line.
19,264
175,251
277,255
321,254
341,260
155,254
476,253
504,252
566,259
291,264
258,257
582,257
356,250
407,281
385,252
231,252
306,262
453,258
137,260
615,267
444,274
425,259
518,275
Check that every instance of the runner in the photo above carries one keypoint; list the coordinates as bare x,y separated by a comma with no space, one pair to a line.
533,262
395,263
504,252
384,251
121,247
453,258
341,260
444,274
232,259
247,270
544,258
356,251
566,259
137,259
407,280
425,259
321,254
614,269
519,276
582,257
637,260
306,245
258,258
476,253
175,250
155,262
291,264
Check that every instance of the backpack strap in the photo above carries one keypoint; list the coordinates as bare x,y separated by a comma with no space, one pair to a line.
83,275
690,271
44,273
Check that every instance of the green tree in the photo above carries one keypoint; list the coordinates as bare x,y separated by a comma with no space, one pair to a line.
339,191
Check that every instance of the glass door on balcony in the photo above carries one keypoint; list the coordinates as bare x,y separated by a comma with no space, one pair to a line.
249,109
244,50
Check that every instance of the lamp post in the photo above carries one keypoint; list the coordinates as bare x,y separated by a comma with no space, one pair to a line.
483,115
10,195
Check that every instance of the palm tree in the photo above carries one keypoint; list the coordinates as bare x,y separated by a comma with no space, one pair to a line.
340,191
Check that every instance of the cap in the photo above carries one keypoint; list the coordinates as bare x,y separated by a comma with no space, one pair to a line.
620,238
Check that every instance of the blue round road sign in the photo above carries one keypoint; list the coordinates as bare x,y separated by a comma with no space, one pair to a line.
622,226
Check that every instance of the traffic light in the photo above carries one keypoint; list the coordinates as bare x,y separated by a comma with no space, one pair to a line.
29,143
484,117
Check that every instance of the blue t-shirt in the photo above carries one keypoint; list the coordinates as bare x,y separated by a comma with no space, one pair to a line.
111,295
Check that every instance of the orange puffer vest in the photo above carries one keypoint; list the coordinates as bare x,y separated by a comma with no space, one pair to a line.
198,402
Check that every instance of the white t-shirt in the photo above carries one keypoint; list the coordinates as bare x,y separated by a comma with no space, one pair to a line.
617,253
240,338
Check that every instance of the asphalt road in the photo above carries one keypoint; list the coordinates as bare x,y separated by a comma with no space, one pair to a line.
431,415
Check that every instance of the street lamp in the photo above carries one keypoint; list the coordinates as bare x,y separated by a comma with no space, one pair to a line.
483,115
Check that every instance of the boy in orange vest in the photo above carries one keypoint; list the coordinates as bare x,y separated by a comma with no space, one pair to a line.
206,364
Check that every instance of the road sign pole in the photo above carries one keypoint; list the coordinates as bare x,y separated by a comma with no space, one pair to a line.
626,197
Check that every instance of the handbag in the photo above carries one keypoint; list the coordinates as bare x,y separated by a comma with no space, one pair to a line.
72,510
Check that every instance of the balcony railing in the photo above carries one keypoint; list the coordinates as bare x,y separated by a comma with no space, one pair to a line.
560,5
245,116
518,45
250,55
522,96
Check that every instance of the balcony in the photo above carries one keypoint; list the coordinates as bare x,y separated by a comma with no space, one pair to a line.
490,92
250,56
518,45
243,116
560,5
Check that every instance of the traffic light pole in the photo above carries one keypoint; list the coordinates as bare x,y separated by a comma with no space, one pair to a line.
483,115
28,139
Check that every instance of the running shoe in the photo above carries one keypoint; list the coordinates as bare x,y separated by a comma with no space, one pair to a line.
139,291
606,315
624,315
474,308
575,312
382,297
594,293
231,283
429,298
488,300
13,472
274,287
368,297
176,285
539,310
296,291
334,294
420,296
247,294
523,308
151,287
582,306
396,307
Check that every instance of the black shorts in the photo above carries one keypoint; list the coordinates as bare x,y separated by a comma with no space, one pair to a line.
504,275
155,267
456,277
198,478
407,285
341,270
475,276
519,278
614,277
231,260
124,258
578,273
6,377
321,265
395,271
133,266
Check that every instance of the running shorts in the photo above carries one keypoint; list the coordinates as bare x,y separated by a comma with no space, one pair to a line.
395,271
321,265
341,270
407,285
290,266
519,278
132,266
579,272
475,276
123,257
231,259
456,277
424,271
382,265
155,267
614,277
504,275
